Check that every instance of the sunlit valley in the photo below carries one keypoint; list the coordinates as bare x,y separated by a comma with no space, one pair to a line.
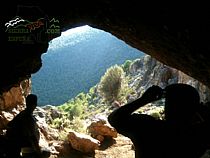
75,62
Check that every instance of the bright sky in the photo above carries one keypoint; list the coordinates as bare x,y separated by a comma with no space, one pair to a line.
76,30
72,36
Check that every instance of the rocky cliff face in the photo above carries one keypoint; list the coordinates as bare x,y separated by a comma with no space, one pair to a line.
148,71
13,101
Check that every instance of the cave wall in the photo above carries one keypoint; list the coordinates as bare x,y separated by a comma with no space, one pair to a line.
175,34
12,101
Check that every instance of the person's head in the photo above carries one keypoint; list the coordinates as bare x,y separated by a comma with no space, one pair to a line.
181,102
31,102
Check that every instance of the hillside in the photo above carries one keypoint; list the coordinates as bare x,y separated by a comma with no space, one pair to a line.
80,112
76,61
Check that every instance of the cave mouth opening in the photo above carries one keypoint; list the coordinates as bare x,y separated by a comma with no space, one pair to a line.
75,62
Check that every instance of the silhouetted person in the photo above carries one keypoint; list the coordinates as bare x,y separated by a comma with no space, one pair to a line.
183,133
23,133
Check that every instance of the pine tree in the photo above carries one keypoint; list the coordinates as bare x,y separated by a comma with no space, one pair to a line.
112,84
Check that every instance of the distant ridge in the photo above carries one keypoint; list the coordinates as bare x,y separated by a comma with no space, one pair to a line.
76,61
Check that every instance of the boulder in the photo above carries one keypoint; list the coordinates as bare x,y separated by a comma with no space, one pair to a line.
82,142
100,129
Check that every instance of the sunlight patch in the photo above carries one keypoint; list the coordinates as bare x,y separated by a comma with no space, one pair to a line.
80,29
71,37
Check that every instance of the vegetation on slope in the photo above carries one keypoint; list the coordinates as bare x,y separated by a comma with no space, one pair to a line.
113,86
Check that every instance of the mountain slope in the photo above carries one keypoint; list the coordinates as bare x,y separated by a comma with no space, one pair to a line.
76,61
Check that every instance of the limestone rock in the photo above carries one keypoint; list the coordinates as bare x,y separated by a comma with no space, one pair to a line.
82,142
15,95
12,98
147,71
101,128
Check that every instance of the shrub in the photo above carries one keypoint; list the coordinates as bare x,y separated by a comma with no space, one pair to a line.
126,65
113,85
78,125
57,123
76,106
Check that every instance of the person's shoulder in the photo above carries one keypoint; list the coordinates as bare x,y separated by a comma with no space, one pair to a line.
16,120
22,114
19,116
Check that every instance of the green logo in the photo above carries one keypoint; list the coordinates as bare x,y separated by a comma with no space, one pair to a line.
28,32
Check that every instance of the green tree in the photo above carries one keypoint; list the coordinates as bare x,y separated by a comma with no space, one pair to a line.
126,65
113,84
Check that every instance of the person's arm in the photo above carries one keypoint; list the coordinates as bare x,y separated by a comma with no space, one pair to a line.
120,117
